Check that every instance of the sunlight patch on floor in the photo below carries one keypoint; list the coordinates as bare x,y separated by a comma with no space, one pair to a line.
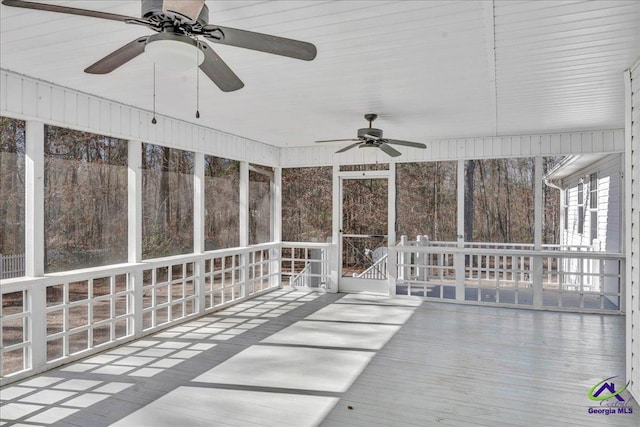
291,368
197,406
335,334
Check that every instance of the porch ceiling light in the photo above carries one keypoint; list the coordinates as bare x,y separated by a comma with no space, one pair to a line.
174,52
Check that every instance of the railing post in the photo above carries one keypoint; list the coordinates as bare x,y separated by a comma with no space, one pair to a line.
137,304
201,285
622,300
403,273
314,271
392,269
333,260
458,266
245,260
275,270
421,259
37,300
536,280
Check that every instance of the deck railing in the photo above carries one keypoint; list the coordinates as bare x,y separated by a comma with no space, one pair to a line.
306,264
561,277
377,271
11,266
51,320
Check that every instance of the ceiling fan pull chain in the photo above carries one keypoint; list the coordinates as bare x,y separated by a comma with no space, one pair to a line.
153,120
197,82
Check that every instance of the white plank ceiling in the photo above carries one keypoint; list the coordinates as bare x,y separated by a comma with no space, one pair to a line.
430,69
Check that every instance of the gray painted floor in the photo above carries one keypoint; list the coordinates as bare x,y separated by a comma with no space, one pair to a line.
292,358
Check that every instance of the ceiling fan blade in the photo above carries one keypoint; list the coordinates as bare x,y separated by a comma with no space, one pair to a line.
260,42
219,72
121,56
339,140
348,147
389,150
406,143
66,9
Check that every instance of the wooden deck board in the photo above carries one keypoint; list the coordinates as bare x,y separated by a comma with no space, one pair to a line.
459,364
453,365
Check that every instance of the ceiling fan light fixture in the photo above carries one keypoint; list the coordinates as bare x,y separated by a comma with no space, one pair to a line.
174,52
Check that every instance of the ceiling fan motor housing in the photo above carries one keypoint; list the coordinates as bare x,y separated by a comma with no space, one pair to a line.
154,8
369,131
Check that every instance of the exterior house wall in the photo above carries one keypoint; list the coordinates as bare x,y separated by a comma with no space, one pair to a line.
601,224
632,226
609,208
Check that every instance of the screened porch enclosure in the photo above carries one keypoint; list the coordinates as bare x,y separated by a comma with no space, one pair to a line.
200,233
165,229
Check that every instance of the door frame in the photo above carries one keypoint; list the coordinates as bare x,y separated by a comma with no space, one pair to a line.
347,284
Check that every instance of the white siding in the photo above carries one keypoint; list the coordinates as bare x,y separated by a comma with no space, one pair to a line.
27,98
632,184
609,205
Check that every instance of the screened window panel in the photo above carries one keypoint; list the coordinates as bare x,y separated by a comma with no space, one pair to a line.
222,203
12,197
167,201
85,199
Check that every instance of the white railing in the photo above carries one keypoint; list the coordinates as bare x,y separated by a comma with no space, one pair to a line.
574,278
51,320
377,271
302,279
11,266
307,264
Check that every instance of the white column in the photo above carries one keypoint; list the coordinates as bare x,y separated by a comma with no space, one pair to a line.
276,226
34,240
134,218
244,204
391,228
336,223
458,260
34,198
199,226
276,203
460,203
536,272
198,203
134,196
244,224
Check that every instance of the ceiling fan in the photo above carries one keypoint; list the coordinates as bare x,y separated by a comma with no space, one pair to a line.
178,23
372,138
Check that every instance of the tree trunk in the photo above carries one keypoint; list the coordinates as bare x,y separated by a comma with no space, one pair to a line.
468,200
164,187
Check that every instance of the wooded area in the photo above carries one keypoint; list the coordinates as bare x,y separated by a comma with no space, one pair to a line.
306,204
260,179
167,201
11,186
86,200
222,203
499,201
426,200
